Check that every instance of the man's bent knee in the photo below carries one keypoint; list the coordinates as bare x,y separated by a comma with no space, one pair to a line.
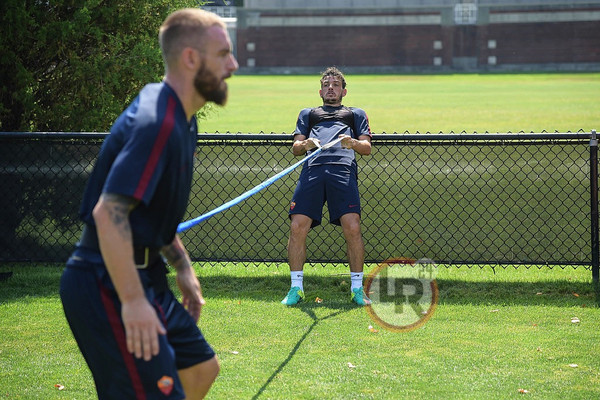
351,224
198,379
300,225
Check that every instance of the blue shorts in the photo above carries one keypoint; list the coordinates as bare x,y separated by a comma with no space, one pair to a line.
93,312
335,184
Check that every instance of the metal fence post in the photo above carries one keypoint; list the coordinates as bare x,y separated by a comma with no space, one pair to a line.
594,205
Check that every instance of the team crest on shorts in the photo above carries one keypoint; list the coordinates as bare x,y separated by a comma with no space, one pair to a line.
165,384
292,205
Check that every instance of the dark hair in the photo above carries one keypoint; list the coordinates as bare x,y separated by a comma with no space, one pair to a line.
333,71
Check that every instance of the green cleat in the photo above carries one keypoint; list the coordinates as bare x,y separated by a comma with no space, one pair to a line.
294,296
359,297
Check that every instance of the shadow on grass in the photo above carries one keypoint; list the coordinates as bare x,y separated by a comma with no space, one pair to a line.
26,280
308,309
558,293
39,281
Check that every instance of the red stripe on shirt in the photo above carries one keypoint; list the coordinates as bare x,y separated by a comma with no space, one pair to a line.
118,331
161,140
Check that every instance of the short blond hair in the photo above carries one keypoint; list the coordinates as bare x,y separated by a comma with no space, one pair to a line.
185,28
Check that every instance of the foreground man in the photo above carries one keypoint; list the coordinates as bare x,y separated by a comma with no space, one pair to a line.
137,339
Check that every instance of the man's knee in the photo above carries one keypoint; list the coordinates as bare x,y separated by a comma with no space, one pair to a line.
351,225
198,379
300,225
211,369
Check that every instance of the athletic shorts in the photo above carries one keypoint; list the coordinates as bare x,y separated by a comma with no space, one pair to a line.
93,312
335,184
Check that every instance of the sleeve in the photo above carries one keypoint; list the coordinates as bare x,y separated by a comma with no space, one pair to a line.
303,123
138,167
361,123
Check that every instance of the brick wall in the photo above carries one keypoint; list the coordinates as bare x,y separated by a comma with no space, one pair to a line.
358,46
550,42
429,39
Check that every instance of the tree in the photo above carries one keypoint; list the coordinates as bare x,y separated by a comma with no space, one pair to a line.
68,65
72,65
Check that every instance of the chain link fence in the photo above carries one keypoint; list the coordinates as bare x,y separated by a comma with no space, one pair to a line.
472,199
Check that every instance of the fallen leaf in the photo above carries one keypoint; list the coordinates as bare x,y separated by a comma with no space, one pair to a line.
575,294
318,300
350,365
573,365
371,329
539,349
59,386
539,293
523,391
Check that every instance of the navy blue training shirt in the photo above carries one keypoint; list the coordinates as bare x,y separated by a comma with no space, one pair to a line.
147,156
326,123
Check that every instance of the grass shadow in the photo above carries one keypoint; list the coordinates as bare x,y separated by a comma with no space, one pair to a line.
26,280
43,281
558,293
308,309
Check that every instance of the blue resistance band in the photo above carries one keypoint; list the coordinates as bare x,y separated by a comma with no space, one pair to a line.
193,222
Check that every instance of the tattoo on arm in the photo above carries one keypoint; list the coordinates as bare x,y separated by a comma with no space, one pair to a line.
173,252
176,254
119,208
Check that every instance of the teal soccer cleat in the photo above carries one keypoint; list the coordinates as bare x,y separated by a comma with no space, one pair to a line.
294,296
359,297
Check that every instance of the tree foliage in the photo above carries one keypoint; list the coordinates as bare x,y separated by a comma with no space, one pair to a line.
72,65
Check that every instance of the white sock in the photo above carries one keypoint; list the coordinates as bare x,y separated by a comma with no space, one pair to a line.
297,278
357,280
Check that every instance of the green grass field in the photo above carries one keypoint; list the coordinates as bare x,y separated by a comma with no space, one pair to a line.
420,103
495,334
491,335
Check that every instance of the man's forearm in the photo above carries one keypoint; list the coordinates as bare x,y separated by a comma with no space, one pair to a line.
300,147
111,216
176,254
362,147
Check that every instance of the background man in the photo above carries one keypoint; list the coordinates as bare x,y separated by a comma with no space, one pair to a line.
330,176
137,339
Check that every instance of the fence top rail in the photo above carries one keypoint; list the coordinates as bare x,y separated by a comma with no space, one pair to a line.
378,137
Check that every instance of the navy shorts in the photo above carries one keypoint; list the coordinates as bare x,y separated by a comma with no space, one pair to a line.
93,312
335,184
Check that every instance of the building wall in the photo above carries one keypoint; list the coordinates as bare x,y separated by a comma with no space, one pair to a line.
347,4
421,38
